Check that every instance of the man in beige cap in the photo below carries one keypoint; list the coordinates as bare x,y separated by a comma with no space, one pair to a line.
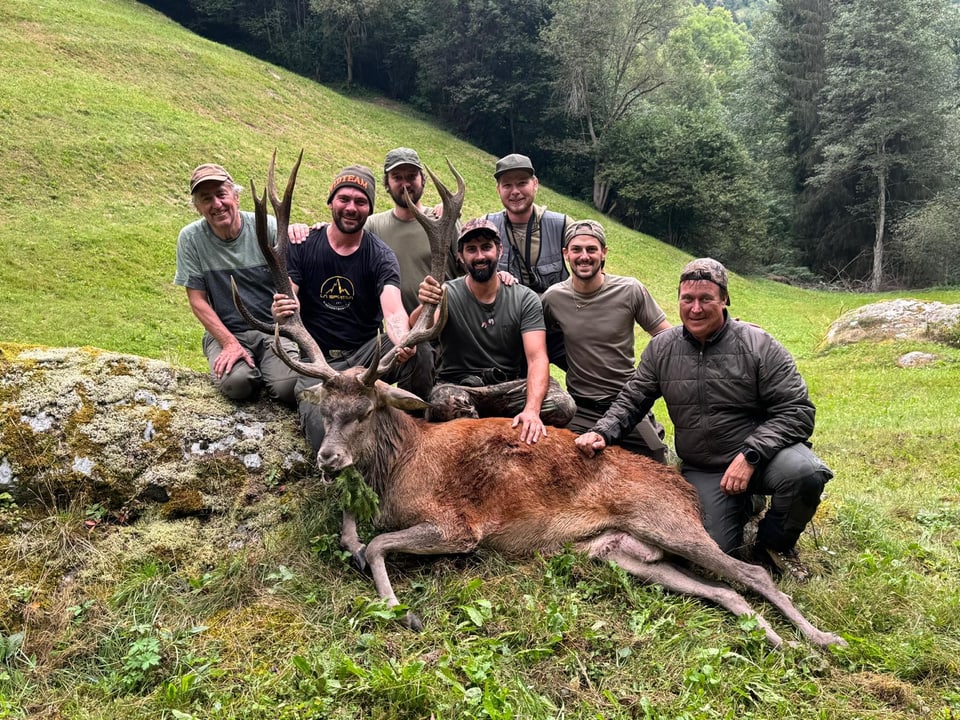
532,235
743,420
220,244
597,313
493,348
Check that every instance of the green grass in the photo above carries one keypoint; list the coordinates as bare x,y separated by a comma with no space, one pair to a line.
105,107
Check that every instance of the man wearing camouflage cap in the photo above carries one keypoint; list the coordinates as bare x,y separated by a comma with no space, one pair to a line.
742,415
596,312
493,346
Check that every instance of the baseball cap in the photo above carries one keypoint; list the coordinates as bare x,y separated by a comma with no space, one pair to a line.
357,176
401,156
585,227
513,162
208,171
706,269
475,226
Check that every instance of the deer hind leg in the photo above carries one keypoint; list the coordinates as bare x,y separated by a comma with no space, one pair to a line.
422,539
700,549
647,562
758,580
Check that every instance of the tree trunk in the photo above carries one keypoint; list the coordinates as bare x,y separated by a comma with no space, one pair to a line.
601,192
348,56
877,277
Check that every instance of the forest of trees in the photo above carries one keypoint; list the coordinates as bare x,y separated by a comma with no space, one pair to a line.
814,139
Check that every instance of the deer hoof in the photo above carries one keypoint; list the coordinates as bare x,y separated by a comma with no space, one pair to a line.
836,640
359,559
412,622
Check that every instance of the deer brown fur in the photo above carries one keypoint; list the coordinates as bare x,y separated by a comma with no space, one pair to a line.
455,486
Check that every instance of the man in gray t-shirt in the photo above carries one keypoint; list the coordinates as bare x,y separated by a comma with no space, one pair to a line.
597,313
491,329
220,245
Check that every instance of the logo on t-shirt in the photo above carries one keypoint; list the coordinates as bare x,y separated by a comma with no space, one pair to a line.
336,293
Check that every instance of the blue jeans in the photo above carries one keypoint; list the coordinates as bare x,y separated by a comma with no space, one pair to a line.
793,479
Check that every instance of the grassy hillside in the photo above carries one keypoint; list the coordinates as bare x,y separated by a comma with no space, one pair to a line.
105,107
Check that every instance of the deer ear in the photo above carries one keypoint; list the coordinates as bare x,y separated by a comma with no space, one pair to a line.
311,394
403,400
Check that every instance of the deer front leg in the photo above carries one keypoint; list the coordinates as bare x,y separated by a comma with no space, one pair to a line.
422,539
350,539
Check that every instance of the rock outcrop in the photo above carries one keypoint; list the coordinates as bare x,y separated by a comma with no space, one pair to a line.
901,319
124,432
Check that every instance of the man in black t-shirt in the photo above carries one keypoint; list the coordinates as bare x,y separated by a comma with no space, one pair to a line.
347,283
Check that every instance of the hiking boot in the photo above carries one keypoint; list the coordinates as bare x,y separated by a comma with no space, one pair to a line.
784,562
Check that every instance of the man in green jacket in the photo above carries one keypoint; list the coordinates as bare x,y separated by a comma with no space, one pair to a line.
742,419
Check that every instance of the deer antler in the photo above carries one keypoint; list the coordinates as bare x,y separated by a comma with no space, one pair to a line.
276,258
440,232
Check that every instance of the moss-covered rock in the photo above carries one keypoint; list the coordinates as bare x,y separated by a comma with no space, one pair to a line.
900,319
125,431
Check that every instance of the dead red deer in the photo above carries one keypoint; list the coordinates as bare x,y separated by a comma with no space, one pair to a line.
451,487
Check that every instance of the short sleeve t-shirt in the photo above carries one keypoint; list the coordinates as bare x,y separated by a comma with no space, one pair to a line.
340,294
598,331
206,262
409,241
481,336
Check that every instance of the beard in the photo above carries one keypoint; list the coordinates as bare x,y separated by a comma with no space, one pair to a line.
416,192
348,225
587,272
483,273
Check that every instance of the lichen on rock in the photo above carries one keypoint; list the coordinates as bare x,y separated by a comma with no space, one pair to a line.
900,319
124,431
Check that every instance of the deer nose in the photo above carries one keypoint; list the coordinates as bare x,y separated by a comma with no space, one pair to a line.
331,459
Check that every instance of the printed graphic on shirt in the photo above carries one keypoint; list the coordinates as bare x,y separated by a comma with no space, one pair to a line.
337,293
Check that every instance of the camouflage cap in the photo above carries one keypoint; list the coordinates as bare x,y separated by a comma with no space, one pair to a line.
585,227
513,162
706,269
475,226
401,156
208,171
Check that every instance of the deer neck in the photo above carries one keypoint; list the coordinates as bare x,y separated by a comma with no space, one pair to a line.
389,435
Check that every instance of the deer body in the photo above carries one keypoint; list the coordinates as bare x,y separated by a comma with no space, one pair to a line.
451,487
455,486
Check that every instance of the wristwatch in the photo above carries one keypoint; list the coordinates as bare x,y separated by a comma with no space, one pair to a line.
751,456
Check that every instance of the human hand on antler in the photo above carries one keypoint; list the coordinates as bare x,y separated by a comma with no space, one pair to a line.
283,307
429,292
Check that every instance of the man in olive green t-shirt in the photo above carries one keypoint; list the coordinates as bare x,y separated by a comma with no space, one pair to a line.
399,229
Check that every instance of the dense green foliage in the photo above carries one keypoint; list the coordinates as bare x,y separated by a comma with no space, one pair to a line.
254,613
839,118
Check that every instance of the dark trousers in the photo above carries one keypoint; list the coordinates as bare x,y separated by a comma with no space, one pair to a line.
507,399
793,479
